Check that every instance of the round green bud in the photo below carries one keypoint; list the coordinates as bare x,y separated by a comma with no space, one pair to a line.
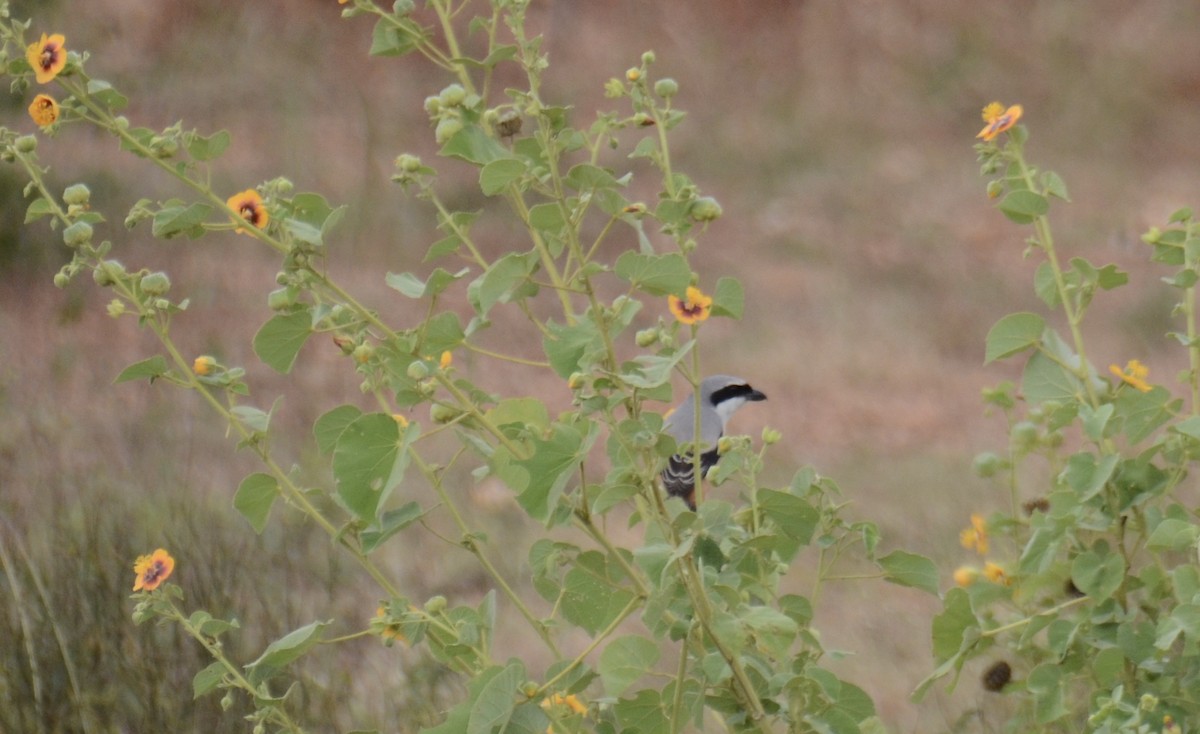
79,233
529,689
576,380
439,413
436,604
648,57
227,701
280,298
61,280
122,122
433,105
705,209
77,194
164,147
447,129
666,88
418,370
25,144
453,95
987,465
362,353
403,7
646,337
161,304
1024,434
155,284
107,272
724,445
408,163
771,436
284,186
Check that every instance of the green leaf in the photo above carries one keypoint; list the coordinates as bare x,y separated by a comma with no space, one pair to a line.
592,596
492,708
1046,285
1046,684
389,40
1023,206
585,176
495,177
506,280
547,218
279,340
369,461
442,333
473,145
208,679
1094,421
1173,534
773,631
1087,476
794,517
1013,334
650,371
210,148
1054,186
1044,379
147,369
644,713
254,498
551,466
910,569
729,299
1098,573
390,523
522,411
657,275
950,627
329,426
625,660
572,348
1184,619
171,221
285,650
413,287
38,208
104,93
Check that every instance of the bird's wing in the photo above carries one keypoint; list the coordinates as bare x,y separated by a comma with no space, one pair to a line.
678,476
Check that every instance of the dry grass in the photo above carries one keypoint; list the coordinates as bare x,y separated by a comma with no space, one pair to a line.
838,139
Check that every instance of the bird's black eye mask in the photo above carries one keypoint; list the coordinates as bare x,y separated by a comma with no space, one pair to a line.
736,391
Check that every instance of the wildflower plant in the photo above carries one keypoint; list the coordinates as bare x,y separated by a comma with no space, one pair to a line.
698,599
1087,608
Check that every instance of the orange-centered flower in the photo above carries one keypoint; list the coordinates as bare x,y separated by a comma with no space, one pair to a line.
152,570
47,57
44,110
249,206
999,119
1134,374
694,308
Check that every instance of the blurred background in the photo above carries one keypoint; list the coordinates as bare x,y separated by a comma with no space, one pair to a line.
837,137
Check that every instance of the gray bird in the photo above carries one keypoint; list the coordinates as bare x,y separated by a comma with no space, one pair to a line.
720,396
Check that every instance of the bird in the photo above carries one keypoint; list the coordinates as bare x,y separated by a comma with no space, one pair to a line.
720,397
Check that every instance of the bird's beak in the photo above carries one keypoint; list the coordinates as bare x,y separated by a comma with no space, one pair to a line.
755,396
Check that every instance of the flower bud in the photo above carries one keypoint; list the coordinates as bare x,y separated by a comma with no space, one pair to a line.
439,413
107,273
77,195
436,604
1024,434
25,144
576,380
648,57
771,436
529,689
987,464
362,353
453,95
403,7
280,298
61,280
646,337
433,105
79,233
724,445
115,308
633,74
418,370
408,163
204,365
666,88
447,129
155,284
705,209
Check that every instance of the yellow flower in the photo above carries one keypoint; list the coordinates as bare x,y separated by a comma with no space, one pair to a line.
401,420
995,573
1134,374
446,360
390,632
633,75
975,537
44,110
204,365
152,570
249,206
965,575
47,57
999,119
692,310
570,701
